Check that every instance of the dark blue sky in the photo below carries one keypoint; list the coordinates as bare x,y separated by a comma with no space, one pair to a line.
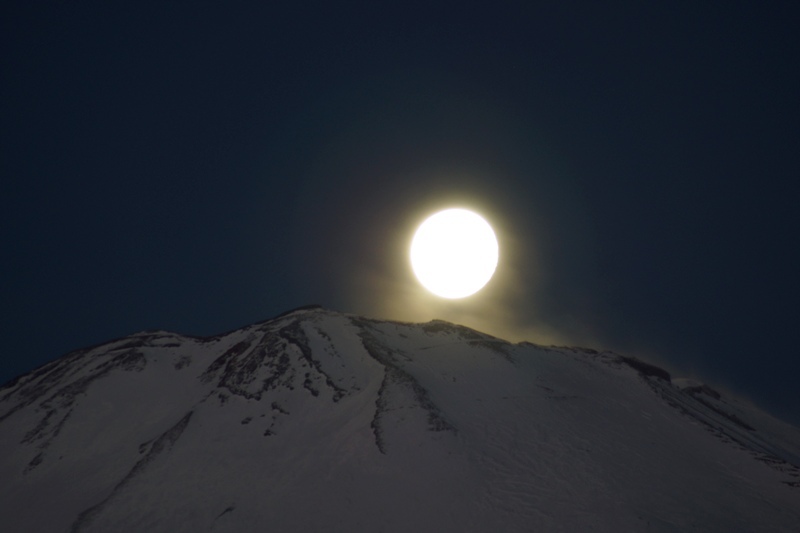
199,168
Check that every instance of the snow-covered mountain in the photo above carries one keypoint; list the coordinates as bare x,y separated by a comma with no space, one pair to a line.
322,421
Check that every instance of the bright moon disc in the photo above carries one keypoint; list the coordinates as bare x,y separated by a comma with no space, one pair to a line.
454,253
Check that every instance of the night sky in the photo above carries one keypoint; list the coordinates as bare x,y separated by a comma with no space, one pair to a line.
197,169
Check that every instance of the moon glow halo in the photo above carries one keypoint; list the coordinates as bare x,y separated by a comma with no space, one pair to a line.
454,253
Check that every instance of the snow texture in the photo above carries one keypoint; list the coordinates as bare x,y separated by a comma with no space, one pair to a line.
321,421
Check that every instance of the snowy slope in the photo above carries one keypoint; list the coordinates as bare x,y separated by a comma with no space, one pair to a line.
320,421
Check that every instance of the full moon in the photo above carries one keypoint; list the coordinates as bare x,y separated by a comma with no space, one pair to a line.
454,253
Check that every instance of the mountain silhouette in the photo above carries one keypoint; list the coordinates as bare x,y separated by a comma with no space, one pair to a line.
317,420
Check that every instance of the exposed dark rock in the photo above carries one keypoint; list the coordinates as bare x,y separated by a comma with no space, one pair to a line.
394,375
226,511
645,369
703,389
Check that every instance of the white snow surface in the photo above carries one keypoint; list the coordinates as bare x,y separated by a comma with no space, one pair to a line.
321,421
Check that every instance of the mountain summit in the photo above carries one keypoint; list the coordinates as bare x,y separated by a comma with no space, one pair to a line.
323,421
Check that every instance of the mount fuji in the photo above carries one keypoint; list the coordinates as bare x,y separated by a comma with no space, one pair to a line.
322,421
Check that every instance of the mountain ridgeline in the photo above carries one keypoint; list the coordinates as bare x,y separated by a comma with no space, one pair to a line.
322,421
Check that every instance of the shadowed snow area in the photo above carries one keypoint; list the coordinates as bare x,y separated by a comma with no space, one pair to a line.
321,421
